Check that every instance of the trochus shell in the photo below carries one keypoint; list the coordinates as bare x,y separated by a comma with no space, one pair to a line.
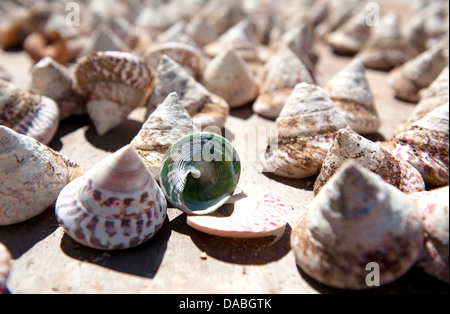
5,267
200,172
32,176
357,219
115,205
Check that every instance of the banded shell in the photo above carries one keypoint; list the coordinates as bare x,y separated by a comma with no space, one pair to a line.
419,72
115,83
351,94
355,220
424,144
228,76
433,208
31,114
306,127
5,267
348,145
115,205
205,108
166,125
39,45
200,172
284,71
386,47
54,80
255,213
32,176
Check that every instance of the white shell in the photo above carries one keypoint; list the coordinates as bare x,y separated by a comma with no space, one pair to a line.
5,266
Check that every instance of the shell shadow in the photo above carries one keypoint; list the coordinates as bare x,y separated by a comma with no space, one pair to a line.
304,184
235,250
116,138
375,137
67,126
142,260
21,237
243,112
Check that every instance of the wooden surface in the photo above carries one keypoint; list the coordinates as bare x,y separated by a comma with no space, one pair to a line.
180,259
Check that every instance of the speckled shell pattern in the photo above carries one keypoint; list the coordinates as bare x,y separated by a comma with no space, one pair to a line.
115,83
205,108
351,94
27,113
5,267
348,145
433,208
306,126
32,176
425,144
357,219
115,205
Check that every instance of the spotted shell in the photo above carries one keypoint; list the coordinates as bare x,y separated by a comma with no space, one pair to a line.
54,80
424,144
255,213
115,83
205,108
228,76
284,71
116,205
348,145
351,94
31,114
200,172
417,73
32,176
433,208
166,125
357,219
5,267
306,127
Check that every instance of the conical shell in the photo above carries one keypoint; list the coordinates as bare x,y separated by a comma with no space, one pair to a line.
32,176
115,205
201,30
433,208
284,71
54,80
166,125
223,14
386,47
115,83
306,127
228,76
103,38
351,94
349,145
424,144
355,223
34,115
191,58
205,108
256,213
417,73
5,266
200,172
177,33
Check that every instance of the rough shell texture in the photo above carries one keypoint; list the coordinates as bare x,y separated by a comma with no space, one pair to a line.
200,172
255,213
32,176
115,83
5,267
351,94
34,115
424,144
349,145
205,108
52,79
167,124
417,73
306,127
228,76
357,219
115,205
433,208
284,71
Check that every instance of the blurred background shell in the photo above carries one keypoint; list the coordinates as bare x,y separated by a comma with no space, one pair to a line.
5,267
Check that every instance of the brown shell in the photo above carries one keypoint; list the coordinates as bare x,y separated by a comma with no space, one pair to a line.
39,45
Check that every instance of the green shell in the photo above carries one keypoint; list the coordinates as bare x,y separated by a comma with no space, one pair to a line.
200,172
